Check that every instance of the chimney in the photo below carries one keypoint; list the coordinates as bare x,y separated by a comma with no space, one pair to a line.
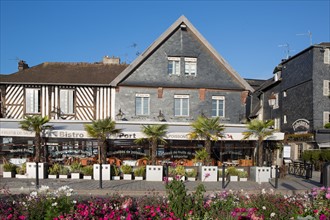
111,60
22,65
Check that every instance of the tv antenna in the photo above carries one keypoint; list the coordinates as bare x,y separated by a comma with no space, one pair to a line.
287,50
309,34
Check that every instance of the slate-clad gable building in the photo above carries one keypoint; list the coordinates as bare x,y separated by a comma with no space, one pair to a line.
177,78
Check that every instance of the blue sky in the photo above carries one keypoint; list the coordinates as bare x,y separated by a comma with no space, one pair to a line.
248,34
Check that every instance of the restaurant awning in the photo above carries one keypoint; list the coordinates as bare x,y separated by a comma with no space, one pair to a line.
130,130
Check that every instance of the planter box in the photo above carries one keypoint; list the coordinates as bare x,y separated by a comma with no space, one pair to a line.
76,175
106,174
31,170
138,178
154,173
116,178
21,176
9,174
52,176
243,179
127,176
63,176
260,174
87,177
191,179
209,173
233,178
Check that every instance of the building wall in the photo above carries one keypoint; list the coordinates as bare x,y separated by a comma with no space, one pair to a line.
125,100
154,70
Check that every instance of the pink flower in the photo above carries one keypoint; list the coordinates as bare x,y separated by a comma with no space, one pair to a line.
316,211
323,217
327,196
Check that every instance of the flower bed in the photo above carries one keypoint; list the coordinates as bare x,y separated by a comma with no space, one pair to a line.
60,204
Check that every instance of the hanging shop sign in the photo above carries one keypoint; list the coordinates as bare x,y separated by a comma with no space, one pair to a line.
301,126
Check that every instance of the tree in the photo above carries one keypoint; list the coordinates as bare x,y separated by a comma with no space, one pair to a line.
260,130
155,134
36,123
207,129
100,129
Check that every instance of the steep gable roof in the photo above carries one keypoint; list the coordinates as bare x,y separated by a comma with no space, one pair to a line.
66,73
182,20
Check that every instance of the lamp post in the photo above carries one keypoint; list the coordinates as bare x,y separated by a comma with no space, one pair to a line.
271,102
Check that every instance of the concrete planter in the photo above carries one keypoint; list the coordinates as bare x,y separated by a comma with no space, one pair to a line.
191,179
154,173
209,173
52,176
138,178
21,176
243,179
87,177
7,174
116,178
260,174
233,178
127,176
106,174
76,175
63,176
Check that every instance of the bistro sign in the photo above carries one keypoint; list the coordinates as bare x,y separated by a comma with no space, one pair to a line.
300,126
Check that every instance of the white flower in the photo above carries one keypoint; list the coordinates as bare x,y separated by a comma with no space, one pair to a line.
264,207
34,194
54,204
272,214
68,194
32,183
263,191
74,201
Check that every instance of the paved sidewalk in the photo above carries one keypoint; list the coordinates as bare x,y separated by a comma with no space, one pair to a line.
287,185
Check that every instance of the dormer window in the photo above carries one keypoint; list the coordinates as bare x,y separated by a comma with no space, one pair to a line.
277,76
190,66
174,65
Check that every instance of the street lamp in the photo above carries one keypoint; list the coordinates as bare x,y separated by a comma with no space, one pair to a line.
271,102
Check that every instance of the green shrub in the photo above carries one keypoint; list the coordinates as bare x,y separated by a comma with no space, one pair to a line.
179,170
327,125
242,174
87,170
140,171
54,169
21,170
64,170
232,171
191,173
126,169
115,171
75,167
9,167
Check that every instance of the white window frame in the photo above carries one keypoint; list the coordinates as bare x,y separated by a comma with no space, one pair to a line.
181,106
67,101
277,123
326,87
276,101
327,56
326,117
218,100
285,94
174,63
285,119
190,66
32,100
145,100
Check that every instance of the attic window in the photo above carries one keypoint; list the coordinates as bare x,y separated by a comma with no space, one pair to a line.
173,65
183,27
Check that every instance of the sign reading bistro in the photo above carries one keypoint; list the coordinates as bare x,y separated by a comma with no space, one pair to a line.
300,126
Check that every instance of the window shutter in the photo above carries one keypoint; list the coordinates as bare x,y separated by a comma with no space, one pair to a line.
326,88
327,56
326,118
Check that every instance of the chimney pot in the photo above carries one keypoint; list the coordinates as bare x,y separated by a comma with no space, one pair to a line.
22,65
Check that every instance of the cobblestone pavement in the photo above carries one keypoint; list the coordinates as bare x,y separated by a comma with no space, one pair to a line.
287,185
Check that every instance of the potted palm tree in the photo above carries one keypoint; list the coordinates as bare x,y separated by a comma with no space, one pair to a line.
127,171
233,174
64,172
101,129
154,134
87,172
54,171
139,173
36,124
207,129
260,130
21,171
